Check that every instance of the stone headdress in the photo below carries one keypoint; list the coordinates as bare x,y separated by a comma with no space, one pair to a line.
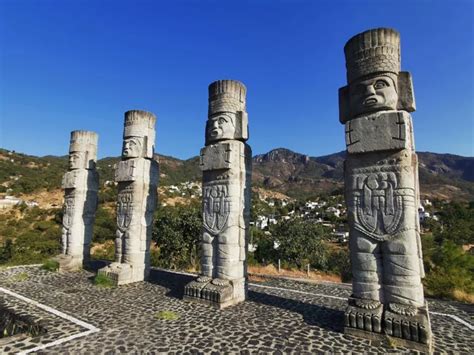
85,142
141,124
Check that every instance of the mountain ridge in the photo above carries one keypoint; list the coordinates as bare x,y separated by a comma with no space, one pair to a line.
445,176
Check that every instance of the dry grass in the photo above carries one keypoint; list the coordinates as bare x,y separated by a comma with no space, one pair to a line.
462,296
293,273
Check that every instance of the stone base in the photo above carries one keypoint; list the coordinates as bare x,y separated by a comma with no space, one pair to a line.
217,293
122,274
382,324
414,328
68,263
388,340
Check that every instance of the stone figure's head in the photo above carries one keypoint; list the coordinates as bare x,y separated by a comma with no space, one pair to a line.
375,82
133,147
227,113
138,135
83,150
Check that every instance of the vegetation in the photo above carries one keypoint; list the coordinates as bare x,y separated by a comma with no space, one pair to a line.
29,236
167,315
449,268
20,277
50,265
104,281
176,234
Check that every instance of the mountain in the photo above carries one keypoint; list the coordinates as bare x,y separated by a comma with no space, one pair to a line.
443,176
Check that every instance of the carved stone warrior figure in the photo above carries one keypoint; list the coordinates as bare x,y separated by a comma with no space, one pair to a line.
226,165
80,185
381,187
137,178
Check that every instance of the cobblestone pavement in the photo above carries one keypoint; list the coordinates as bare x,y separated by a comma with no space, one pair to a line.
280,316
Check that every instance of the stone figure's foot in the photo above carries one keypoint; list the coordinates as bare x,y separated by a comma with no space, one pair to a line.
366,304
402,309
407,322
118,273
193,289
363,315
68,263
218,293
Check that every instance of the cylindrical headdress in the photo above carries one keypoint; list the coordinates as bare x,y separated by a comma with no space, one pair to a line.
85,141
226,96
373,51
141,124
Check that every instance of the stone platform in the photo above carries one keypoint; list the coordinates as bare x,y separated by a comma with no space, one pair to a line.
280,316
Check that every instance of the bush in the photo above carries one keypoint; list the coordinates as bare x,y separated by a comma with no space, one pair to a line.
50,265
301,242
177,233
448,270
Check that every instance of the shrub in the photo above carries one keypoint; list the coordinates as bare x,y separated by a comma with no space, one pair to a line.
50,265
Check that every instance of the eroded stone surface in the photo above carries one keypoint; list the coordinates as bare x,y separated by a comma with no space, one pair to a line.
137,178
80,184
226,166
279,316
382,193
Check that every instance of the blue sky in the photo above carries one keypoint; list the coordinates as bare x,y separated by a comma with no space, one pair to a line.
68,65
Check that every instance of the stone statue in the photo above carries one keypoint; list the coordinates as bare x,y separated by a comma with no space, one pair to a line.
80,184
382,194
226,165
137,178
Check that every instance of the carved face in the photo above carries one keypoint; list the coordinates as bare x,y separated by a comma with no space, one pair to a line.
221,126
132,147
77,160
373,94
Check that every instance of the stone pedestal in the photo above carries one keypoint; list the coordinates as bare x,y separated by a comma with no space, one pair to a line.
80,184
226,165
137,178
382,194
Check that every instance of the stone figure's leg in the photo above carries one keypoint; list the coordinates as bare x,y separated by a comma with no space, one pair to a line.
207,254
118,246
405,315
365,309
64,238
402,281
366,266
88,230
228,263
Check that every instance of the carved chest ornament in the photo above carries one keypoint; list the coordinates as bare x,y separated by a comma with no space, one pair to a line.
378,205
124,209
216,207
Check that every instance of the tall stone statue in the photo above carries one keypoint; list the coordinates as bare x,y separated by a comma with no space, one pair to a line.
226,163
382,194
137,178
80,185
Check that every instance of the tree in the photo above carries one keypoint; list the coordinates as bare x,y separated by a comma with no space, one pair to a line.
301,242
177,232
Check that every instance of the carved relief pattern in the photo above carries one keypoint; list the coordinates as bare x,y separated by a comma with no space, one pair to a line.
216,207
125,208
68,210
378,207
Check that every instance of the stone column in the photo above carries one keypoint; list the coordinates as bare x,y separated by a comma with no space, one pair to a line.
226,163
80,184
382,196
137,178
